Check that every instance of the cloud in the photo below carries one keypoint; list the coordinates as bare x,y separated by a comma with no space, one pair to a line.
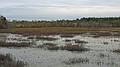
60,8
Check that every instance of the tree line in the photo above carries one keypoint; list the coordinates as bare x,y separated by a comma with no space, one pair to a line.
79,22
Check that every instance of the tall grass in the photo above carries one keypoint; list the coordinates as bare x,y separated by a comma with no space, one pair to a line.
8,61
57,30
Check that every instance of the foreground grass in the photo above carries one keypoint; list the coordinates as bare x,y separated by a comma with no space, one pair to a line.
57,30
8,61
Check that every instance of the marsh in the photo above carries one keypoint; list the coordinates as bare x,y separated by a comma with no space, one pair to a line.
103,51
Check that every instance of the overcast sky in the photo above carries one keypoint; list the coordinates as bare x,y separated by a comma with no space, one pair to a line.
59,9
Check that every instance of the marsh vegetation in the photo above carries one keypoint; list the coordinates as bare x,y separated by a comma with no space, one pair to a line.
8,61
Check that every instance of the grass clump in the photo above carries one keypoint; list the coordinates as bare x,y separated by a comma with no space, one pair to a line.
8,61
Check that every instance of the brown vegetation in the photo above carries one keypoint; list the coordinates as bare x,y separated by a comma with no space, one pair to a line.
58,30
4,44
8,61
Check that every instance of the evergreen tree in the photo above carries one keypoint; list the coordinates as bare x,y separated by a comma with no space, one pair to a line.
3,22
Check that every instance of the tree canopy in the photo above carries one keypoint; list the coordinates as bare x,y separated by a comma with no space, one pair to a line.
79,22
3,22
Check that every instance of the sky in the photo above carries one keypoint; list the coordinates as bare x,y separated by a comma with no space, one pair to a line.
58,9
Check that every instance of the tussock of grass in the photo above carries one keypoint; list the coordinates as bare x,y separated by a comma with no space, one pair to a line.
8,61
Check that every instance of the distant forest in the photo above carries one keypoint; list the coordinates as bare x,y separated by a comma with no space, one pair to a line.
82,22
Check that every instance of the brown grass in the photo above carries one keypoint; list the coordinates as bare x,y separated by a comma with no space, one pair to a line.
4,44
57,30
8,61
